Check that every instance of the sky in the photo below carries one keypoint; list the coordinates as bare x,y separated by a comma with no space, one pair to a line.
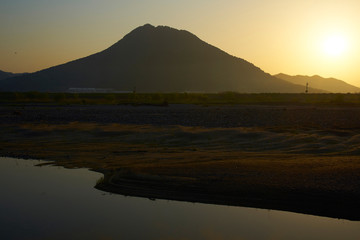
296,37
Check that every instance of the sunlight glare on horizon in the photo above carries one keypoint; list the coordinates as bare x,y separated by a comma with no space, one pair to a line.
335,45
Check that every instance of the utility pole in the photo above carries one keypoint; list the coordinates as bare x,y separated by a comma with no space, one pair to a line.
307,88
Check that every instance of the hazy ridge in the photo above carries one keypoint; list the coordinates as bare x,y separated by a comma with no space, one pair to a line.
4,75
327,84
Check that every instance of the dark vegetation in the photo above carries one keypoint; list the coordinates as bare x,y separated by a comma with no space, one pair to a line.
163,99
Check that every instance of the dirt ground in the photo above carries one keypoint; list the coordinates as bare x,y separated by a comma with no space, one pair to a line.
302,159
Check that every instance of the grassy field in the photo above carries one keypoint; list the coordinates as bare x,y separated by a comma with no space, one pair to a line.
179,98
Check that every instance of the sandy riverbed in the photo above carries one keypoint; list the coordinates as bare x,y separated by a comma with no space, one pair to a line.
298,158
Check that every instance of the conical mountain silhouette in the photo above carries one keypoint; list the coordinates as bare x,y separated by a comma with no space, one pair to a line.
155,59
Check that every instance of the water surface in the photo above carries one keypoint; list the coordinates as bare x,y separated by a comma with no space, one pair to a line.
51,202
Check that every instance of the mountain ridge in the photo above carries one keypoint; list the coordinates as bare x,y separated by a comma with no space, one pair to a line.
328,84
155,59
5,75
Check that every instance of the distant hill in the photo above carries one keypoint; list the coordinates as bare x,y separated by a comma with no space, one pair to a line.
4,75
327,84
155,59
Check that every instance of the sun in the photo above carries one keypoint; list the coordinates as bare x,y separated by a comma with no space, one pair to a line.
335,45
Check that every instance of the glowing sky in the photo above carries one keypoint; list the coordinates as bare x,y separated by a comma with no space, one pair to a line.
289,36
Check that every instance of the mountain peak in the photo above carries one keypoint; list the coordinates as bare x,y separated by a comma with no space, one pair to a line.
155,59
147,25
142,29
160,29
157,40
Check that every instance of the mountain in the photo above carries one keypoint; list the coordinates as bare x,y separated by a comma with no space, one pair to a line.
4,75
327,84
155,59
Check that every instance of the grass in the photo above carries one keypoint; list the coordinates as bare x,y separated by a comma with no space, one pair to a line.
162,99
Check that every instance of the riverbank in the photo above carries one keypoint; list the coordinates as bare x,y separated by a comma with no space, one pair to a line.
301,159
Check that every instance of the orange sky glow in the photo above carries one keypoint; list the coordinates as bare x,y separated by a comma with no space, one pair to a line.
293,37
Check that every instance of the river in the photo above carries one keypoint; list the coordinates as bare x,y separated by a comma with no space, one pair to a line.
52,202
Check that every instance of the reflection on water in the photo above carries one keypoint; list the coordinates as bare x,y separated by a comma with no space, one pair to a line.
56,203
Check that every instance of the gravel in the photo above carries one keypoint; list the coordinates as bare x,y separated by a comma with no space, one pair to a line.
188,115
